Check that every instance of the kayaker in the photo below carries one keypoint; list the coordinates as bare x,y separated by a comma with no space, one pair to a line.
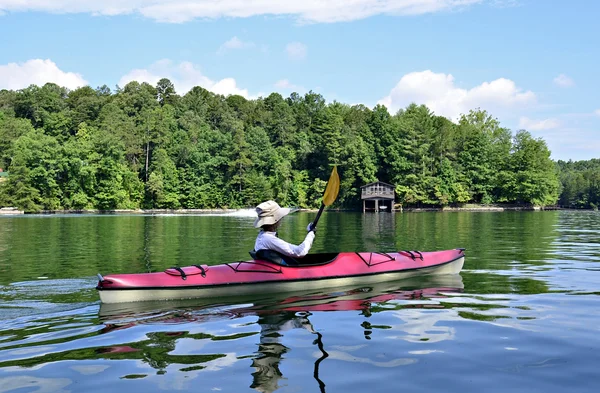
268,220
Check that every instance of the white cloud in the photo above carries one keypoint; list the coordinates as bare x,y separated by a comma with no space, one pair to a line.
538,125
564,81
184,76
285,84
14,76
235,43
296,50
597,112
439,93
179,11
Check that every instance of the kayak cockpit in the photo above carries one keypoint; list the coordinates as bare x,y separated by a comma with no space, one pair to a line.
284,260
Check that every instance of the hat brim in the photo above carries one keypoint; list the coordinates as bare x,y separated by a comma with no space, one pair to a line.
272,219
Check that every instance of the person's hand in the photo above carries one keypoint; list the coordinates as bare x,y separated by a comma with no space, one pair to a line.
310,228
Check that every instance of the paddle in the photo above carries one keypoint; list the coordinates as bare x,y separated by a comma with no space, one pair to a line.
331,192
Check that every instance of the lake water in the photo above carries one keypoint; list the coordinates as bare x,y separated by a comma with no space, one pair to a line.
523,316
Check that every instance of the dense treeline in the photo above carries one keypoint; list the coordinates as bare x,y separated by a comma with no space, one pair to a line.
144,146
580,184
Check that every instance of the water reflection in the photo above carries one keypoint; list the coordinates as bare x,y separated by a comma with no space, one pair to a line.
294,341
276,317
271,349
81,246
41,385
183,339
378,231
525,316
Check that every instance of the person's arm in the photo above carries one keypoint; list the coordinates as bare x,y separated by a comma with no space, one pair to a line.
291,250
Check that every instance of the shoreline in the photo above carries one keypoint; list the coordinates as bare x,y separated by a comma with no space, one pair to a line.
469,208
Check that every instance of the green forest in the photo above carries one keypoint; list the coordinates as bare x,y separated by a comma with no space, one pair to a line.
144,146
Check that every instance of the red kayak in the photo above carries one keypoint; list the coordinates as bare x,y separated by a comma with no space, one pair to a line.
265,274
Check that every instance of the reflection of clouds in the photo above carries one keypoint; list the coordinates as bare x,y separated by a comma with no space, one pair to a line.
177,381
29,351
90,369
339,355
15,369
188,346
183,380
424,352
348,348
421,324
220,363
463,298
39,385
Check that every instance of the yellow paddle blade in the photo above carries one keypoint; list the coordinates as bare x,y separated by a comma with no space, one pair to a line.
333,188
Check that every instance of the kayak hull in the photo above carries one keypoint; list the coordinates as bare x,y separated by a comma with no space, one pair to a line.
262,277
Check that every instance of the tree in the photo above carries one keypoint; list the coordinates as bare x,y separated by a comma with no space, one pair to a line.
165,91
34,180
85,105
239,162
10,130
536,175
280,121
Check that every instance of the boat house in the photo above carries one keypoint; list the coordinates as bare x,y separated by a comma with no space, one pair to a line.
380,195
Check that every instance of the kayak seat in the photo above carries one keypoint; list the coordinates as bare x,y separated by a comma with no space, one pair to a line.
284,260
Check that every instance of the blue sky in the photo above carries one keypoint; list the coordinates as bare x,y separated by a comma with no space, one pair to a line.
530,63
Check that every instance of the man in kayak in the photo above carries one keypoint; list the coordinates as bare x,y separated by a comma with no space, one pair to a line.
269,218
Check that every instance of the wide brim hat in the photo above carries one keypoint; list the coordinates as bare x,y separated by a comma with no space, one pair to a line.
269,213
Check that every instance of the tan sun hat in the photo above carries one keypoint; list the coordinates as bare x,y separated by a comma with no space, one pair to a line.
269,213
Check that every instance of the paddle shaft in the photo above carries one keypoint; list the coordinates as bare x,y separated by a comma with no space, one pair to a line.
314,223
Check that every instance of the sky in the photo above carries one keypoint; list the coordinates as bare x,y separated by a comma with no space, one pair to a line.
532,64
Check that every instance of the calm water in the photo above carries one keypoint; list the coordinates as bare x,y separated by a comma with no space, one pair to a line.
523,316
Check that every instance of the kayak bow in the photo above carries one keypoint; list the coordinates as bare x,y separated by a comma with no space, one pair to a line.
262,276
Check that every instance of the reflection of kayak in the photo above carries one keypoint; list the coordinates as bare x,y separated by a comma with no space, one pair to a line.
347,298
261,276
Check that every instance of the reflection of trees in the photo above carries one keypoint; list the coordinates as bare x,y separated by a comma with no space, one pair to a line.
499,240
81,246
5,235
489,282
56,246
493,239
155,351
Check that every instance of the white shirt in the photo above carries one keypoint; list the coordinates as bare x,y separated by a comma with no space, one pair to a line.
270,241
